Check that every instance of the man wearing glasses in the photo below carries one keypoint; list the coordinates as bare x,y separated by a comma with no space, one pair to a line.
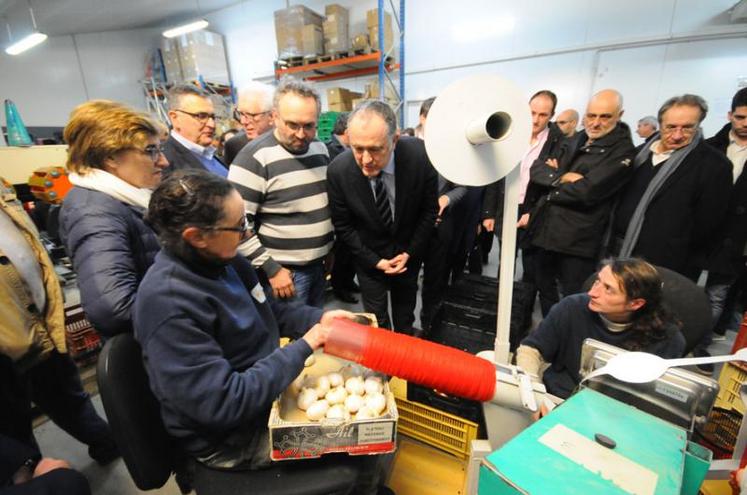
678,194
282,176
189,145
254,112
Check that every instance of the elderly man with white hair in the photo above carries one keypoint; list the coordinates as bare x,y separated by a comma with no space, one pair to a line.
254,112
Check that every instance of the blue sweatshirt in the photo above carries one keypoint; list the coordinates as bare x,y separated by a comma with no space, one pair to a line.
209,336
560,336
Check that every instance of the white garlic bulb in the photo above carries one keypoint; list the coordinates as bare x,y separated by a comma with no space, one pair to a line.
335,380
354,385
310,361
337,412
297,384
353,403
376,402
317,410
373,385
319,383
366,413
336,396
306,398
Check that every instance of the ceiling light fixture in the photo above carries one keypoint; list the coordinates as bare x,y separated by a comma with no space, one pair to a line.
186,28
29,41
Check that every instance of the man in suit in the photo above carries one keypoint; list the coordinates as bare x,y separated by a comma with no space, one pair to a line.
382,193
254,112
190,143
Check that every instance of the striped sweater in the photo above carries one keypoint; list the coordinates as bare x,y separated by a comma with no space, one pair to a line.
285,195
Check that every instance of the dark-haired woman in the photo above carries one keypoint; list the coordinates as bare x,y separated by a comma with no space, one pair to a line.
623,308
209,332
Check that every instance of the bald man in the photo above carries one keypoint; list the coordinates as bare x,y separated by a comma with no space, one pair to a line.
568,224
567,122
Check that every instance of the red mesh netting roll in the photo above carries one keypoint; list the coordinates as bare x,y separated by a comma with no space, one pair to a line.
426,363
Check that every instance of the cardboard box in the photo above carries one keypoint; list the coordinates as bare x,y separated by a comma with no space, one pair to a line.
293,436
202,54
312,40
372,18
373,35
341,99
360,42
336,37
289,25
171,62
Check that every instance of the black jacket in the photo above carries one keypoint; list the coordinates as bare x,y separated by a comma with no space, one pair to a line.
354,214
492,203
727,255
686,212
180,158
13,455
232,147
572,218
334,147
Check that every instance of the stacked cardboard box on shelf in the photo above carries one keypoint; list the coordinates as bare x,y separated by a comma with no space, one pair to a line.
336,37
341,99
371,90
372,23
191,56
202,53
294,36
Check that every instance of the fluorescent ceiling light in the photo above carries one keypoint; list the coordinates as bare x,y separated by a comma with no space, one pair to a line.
186,28
29,41
482,29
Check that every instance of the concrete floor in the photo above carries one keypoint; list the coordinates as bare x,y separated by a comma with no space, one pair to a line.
115,480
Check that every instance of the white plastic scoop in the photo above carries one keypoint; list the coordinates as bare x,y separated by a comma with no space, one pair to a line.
642,367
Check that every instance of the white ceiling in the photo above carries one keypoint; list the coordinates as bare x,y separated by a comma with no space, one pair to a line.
61,17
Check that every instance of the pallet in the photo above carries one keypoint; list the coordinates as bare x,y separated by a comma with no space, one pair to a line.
318,59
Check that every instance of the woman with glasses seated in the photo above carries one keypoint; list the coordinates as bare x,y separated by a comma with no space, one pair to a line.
208,330
115,160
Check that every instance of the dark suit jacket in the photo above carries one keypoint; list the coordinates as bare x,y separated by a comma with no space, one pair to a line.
232,147
180,158
354,214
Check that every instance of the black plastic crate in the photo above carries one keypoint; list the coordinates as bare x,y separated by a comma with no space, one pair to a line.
468,316
467,409
474,290
472,340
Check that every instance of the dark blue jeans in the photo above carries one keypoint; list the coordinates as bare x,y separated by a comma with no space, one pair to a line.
309,282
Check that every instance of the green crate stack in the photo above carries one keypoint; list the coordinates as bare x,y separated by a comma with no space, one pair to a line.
326,124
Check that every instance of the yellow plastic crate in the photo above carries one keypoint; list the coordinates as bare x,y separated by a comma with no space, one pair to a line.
439,429
732,377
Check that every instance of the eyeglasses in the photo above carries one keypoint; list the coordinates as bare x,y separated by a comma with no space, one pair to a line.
238,115
154,151
685,129
295,126
242,229
201,117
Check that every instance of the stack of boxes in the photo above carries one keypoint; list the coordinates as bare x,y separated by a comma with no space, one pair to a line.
336,38
372,23
341,99
298,31
191,56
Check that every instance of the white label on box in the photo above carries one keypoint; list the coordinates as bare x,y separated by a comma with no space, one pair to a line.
606,463
671,392
375,432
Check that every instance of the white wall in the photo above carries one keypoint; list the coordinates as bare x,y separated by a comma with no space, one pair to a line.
47,82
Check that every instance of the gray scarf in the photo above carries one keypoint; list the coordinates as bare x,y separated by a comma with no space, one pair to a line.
668,168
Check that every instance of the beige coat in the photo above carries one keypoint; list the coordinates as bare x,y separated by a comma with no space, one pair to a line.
27,337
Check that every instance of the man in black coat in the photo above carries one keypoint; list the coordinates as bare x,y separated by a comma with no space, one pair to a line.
678,195
383,199
190,143
254,113
577,189
726,263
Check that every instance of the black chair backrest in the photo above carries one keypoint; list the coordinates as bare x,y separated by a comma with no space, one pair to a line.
687,302
133,413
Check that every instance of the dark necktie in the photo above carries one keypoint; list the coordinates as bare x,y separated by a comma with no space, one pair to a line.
382,202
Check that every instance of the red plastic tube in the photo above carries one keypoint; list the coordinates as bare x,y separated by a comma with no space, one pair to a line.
426,363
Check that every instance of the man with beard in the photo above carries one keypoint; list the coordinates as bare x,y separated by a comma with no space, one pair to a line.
282,177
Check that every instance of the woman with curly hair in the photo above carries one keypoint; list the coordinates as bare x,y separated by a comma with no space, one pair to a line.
623,308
